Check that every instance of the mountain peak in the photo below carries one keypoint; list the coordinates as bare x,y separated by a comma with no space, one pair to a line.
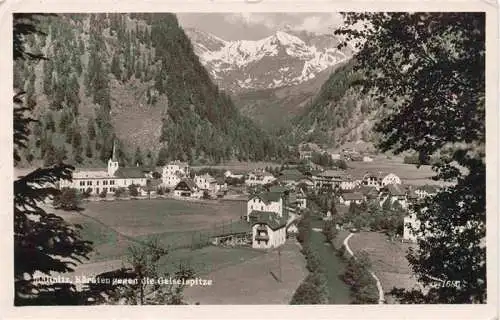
287,39
282,59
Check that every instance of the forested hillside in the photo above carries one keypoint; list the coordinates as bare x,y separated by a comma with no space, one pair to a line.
339,113
132,79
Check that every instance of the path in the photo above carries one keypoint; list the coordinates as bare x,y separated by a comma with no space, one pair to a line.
381,298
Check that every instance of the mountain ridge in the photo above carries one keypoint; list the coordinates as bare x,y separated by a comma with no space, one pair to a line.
284,58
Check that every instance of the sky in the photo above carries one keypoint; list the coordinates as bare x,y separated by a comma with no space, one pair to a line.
254,25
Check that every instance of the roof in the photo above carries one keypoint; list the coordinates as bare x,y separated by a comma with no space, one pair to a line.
90,173
278,189
269,218
267,196
367,190
396,190
130,172
333,173
291,174
353,196
190,183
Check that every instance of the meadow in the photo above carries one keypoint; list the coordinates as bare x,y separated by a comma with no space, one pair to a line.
388,260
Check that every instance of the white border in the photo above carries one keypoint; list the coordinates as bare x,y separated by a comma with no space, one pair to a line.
487,311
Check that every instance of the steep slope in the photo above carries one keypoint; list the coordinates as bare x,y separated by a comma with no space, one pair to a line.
282,59
339,114
131,78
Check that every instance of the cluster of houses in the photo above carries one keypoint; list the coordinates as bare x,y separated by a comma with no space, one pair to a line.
266,210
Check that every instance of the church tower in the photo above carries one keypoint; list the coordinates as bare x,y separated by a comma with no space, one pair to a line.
113,162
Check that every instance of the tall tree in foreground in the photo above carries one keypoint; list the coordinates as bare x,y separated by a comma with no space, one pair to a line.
43,242
429,69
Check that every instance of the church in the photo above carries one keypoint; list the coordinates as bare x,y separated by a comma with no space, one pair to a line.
99,180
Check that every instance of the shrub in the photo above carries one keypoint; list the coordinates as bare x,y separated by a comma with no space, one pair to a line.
160,191
103,193
133,190
68,199
119,192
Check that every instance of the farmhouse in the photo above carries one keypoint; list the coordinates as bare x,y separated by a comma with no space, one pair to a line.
268,201
99,180
186,188
174,172
268,230
351,197
259,177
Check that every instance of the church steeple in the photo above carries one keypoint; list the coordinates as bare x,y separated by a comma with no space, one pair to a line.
113,162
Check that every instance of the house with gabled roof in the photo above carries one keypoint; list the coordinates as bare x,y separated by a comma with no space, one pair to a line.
351,197
266,201
268,230
186,188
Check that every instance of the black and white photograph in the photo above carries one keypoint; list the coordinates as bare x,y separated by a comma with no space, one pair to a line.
250,158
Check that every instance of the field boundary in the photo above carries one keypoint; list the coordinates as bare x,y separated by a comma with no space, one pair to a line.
381,298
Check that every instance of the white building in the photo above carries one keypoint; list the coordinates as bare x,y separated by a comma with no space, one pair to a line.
268,202
174,172
107,180
390,178
259,178
367,159
268,231
206,182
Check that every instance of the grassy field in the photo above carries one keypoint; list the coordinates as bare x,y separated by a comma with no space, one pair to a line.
251,281
114,226
388,260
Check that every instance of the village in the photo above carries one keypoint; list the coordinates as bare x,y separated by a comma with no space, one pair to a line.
275,197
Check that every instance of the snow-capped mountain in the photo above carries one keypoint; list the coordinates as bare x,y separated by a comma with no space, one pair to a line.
282,59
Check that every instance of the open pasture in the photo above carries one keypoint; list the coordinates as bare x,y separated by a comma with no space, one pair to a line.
388,260
251,281
145,217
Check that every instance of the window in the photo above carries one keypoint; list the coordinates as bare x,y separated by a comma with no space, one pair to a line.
105,189
112,182
89,183
105,183
97,183
82,183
